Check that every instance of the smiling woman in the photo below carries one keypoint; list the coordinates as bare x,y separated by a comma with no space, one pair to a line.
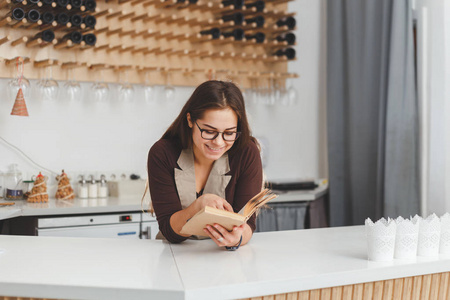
207,157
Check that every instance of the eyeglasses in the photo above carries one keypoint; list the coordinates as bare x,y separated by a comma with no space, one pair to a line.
228,136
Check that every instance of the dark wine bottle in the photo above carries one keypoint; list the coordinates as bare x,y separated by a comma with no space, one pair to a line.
62,18
288,21
76,20
33,16
259,37
288,52
46,35
76,3
33,2
47,17
259,5
90,39
237,33
17,14
193,1
237,18
214,32
238,4
90,21
75,36
90,4
47,2
288,37
62,3
258,20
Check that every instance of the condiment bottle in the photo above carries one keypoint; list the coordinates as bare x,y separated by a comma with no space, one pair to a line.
92,188
82,188
13,180
103,187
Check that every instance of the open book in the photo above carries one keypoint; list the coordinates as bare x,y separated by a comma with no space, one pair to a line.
210,215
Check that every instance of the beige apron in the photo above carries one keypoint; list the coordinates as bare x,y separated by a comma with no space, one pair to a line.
185,179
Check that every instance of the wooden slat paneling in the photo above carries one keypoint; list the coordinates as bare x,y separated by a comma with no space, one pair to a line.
388,289
314,295
303,295
434,292
417,287
336,293
358,290
398,289
407,288
292,296
426,287
280,297
347,292
378,290
325,294
368,290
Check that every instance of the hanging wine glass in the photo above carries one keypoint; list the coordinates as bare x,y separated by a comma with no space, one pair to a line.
126,89
169,90
48,87
149,89
72,87
284,99
19,82
272,95
292,93
100,89
254,91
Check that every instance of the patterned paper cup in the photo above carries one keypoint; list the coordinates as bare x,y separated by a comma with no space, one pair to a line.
380,239
429,236
406,238
444,244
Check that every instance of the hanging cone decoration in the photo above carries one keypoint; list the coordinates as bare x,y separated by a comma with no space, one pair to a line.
20,108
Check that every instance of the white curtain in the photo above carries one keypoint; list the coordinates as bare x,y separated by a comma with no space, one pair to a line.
433,64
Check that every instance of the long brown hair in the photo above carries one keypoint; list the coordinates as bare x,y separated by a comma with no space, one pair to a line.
211,94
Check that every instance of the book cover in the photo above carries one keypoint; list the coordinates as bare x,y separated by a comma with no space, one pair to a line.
210,215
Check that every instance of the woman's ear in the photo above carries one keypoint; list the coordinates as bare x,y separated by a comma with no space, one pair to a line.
189,120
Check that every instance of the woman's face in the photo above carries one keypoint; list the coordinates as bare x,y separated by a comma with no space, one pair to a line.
217,120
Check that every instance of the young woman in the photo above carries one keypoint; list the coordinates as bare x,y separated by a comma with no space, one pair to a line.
207,157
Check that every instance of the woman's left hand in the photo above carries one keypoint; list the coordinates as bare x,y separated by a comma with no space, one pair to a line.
222,237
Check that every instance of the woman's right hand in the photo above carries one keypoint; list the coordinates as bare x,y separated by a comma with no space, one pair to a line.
213,201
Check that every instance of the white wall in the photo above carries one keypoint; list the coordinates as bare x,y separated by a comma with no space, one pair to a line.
433,22
89,137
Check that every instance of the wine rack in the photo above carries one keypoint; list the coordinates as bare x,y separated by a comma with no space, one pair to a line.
176,41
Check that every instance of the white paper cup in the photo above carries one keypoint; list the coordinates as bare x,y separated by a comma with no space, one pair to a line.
444,244
406,246
380,247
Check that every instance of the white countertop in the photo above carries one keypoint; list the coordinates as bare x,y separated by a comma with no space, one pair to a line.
119,204
272,263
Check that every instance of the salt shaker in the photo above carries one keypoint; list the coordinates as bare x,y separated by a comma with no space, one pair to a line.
82,188
92,188
103,187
